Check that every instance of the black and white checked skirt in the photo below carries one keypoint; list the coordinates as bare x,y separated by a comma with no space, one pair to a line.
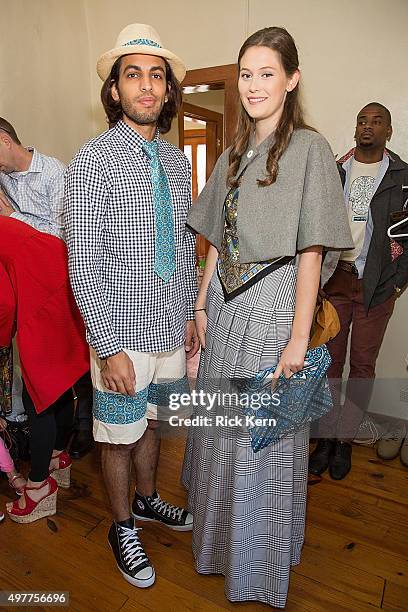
249,508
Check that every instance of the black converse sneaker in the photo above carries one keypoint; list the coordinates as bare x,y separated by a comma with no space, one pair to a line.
131,559
153,508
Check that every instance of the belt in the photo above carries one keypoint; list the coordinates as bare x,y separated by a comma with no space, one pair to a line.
348,266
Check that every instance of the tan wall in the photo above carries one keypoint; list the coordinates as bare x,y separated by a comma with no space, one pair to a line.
350,52
213,100
44,73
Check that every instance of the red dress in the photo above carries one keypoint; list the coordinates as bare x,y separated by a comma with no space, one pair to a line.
36,301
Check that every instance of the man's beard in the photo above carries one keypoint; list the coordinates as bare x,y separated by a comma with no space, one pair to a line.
149,117
366,145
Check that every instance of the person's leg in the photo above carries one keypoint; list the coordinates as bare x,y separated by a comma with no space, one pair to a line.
6,378
60,464
338,290
82,439
366,339
132,561
64,416
43,432
368,331
147,504
116,461
169,377
119,422
48,432
145,458
16,480
84,392
6,462
42,440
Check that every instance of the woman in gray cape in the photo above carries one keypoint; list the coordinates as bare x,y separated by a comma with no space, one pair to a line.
272,205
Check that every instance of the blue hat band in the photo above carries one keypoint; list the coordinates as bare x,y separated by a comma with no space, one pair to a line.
142,41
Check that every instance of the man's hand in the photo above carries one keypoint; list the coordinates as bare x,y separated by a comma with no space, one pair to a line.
191,344
201,325
5,207
118,374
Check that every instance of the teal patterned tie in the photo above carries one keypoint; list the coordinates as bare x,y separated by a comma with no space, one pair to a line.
165,251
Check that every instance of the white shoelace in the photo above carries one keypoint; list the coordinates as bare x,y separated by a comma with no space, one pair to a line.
132,549
168,510
396,436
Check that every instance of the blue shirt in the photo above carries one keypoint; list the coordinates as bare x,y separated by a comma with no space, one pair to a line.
37,194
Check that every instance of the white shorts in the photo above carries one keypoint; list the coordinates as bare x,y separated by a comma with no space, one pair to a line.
122,419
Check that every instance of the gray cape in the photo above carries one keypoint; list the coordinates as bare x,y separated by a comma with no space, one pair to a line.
303,208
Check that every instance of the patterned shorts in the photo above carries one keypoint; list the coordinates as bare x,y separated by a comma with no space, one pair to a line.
122,419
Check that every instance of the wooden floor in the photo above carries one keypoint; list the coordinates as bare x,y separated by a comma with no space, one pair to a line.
355,556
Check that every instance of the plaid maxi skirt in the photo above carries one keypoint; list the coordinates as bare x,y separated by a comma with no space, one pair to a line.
249,508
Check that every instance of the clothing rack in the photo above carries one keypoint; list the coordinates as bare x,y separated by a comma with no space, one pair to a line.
402,221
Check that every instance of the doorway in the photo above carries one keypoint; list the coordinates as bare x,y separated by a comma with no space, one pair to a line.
201,135
206,124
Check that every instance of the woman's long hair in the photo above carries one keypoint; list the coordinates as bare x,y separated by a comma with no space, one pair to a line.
292,117
113,108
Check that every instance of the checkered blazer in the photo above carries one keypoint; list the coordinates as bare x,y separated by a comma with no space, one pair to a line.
110,232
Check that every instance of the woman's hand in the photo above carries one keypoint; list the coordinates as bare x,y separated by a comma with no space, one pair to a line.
201,326
307,285
293,358
3,424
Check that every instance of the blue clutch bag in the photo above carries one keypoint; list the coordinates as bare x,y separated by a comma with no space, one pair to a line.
294,402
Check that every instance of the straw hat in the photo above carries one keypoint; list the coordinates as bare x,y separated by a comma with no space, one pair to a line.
139,38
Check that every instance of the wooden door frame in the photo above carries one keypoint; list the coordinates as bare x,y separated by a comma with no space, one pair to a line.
204,79
214,138
214,131
194,138
218,77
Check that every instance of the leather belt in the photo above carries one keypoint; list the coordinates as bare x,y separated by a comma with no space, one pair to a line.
348,266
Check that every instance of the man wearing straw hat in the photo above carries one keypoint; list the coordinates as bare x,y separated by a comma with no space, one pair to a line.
132,269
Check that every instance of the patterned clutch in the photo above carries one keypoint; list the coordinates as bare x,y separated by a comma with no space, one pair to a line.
301,399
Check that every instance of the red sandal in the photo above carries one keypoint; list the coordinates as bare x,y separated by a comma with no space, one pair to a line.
62,473
33,511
